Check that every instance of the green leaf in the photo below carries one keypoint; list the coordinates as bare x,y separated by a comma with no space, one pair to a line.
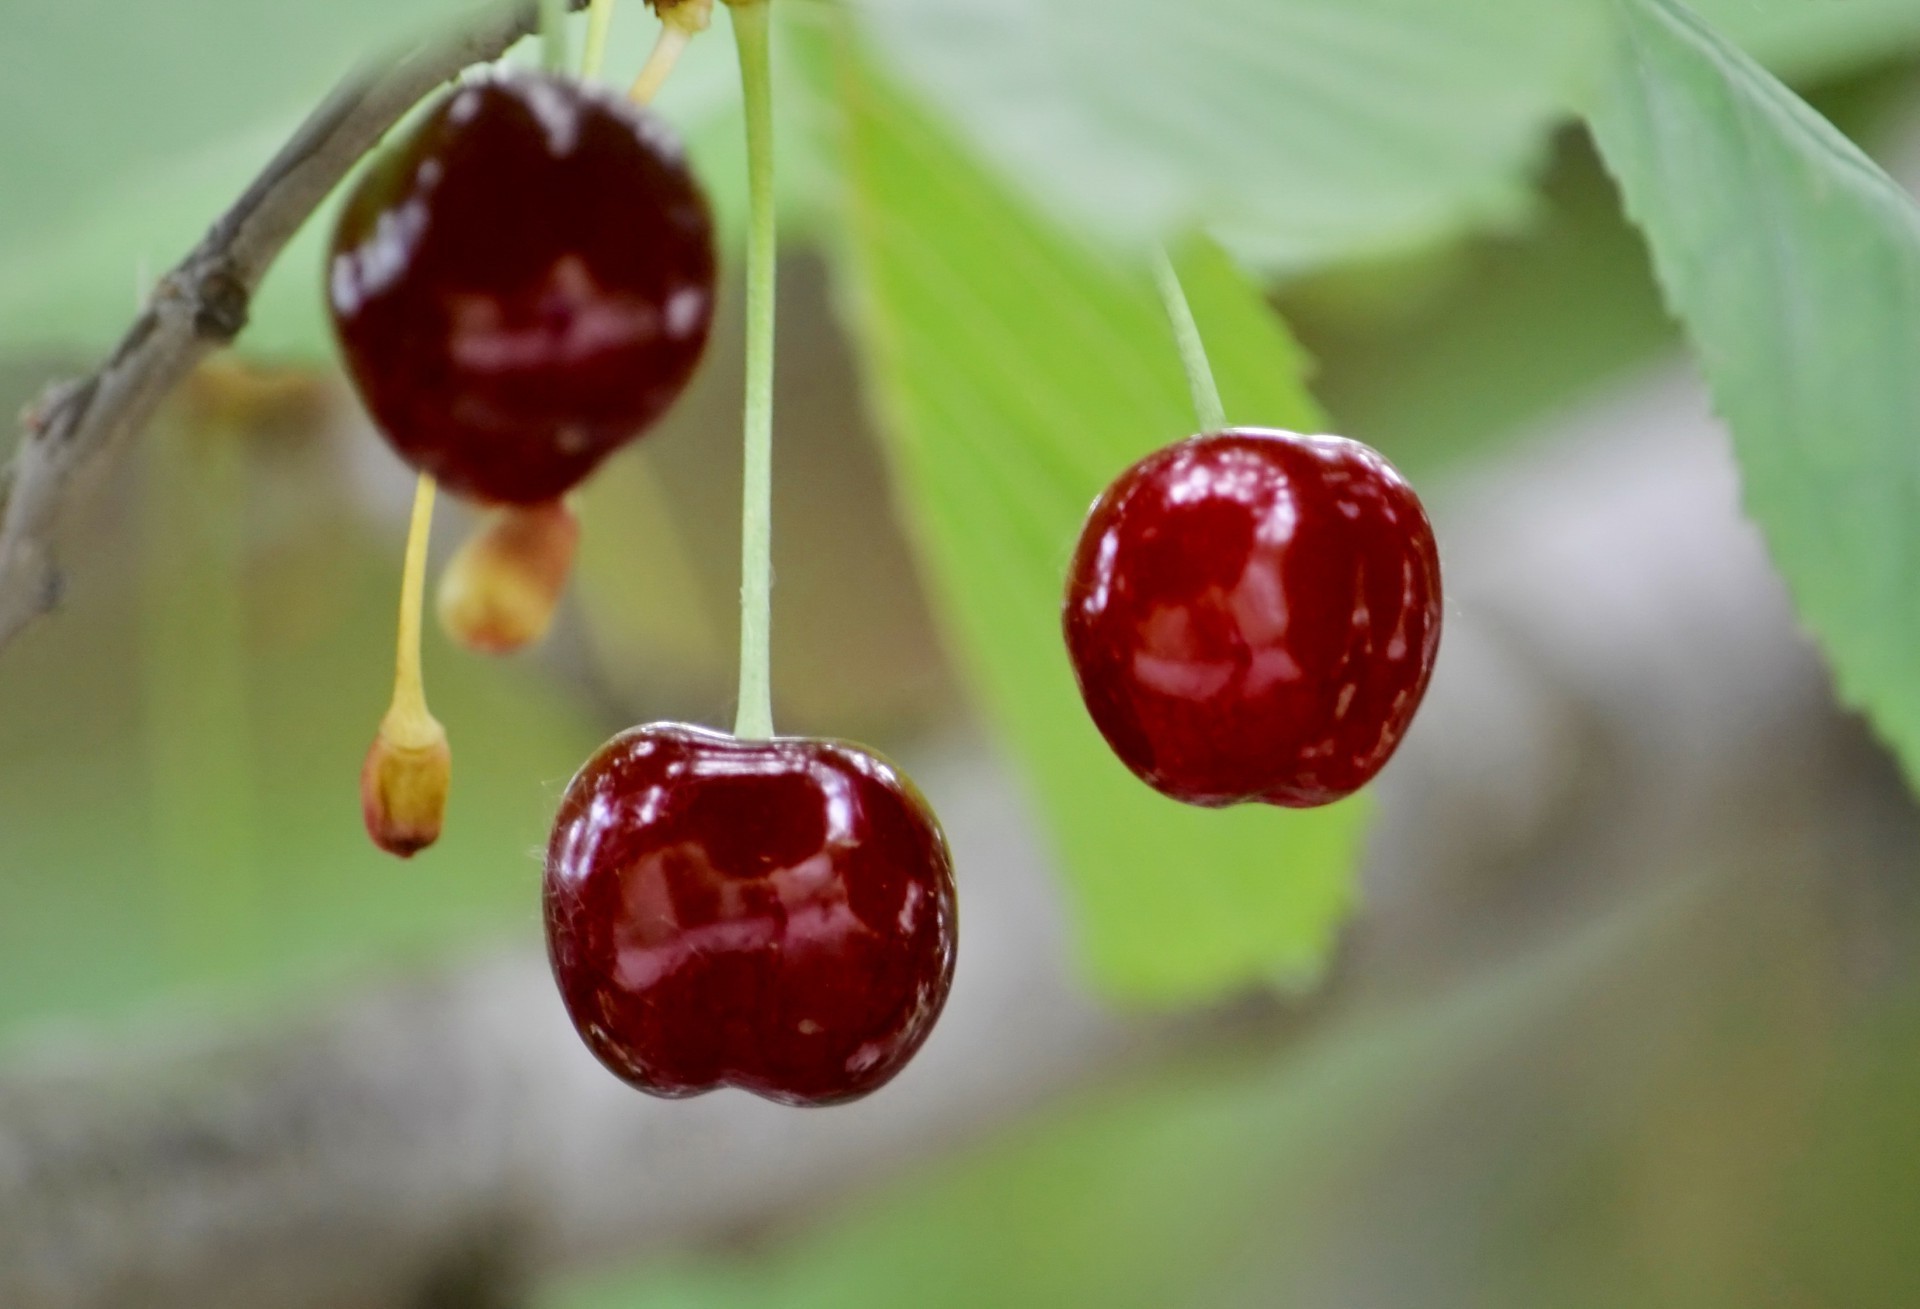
106,205
1803,39
1297,130
95,91
1017,375
1794,263
1405,347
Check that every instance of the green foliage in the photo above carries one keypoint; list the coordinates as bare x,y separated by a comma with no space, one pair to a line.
1455,356
118,197
1795,264
1017,374
1044,138
1298,130
1799,39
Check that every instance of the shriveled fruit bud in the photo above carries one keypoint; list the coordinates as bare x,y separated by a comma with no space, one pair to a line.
232,395
409,769
690,16
404,783
499,593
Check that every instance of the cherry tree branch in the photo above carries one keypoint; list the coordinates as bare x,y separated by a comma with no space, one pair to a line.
79,426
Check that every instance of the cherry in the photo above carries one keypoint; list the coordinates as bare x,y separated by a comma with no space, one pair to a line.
1254,615
776,916
523,284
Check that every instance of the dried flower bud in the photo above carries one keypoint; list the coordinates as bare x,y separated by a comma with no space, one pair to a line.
690,16
404,783
232,395
500,591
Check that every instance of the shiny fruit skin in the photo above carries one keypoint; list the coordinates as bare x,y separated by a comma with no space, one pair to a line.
1254,616
523,284
777,916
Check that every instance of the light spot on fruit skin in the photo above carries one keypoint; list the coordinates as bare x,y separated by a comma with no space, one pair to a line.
362,274
568,320
1103,573
555,113
686,312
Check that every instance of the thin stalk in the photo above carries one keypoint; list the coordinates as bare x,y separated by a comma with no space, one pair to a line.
667,49
599,25
1193,351
409,692
752,30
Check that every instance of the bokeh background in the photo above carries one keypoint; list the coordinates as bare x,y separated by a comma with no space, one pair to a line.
1608,997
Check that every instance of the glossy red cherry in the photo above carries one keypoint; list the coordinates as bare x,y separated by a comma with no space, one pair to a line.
1254,615
773,915
523,284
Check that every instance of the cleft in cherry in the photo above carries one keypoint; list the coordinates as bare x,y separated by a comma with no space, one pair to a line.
1254,616
523,284
777,916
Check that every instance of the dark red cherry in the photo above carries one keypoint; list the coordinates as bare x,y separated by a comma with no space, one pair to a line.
1254,615
523,284
772,915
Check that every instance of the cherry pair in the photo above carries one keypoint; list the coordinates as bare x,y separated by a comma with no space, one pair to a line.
520,287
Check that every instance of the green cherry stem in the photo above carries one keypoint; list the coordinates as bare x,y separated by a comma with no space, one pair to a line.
599,26
1193,350
553,35
752,30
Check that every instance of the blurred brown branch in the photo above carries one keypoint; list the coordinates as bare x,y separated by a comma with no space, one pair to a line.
79,426
1622,678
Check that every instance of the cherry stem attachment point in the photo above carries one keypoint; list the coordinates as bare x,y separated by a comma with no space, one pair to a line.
599,26
752,30
409,707
553,35
1207,404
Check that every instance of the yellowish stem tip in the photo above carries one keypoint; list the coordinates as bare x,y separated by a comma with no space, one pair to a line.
409,768
500,592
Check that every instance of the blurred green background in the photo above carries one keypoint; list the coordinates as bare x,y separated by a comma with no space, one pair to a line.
1689,1082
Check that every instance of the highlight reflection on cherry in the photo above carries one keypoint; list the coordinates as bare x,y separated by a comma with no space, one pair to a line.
523,284
777,916
1254,616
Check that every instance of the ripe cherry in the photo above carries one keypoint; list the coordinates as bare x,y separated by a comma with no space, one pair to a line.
1254,615
776,916
523,284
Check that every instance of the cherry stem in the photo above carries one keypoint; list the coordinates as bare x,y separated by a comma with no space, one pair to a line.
672,43
752,30
1193,350
409,708
553,35
599,26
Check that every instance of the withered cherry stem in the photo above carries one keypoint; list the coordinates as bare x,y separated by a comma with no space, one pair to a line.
408,721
